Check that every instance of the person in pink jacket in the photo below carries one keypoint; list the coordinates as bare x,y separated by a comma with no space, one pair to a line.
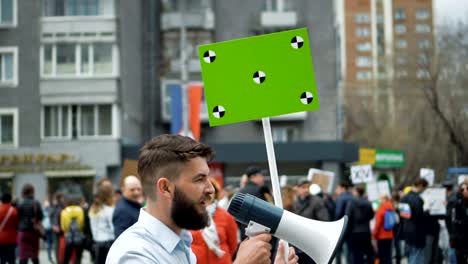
384,237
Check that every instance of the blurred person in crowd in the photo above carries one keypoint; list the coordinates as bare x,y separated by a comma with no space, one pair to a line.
72,223
54,215
308,206
49,233
216,243
397,241
229,192
117,195
30,215
243,180
174,172
88,244
128,208
459,224
100,216
343,197
413,222
383,236
288,196
451,201
9,221
255,186
360,213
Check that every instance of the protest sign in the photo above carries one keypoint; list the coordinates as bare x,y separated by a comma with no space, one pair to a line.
435,201
323,178
361,174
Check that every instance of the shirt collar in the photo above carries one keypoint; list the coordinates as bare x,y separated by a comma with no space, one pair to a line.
159,229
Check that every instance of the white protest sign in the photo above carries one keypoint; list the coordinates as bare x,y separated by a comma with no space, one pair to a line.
427,174
462,178
377,189
435,201
323,178
361,174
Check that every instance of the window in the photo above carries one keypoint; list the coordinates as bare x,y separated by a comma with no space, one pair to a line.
422,14
71,7
362,61
401,61
192,5
400,29
8,127
282,134
401,43
366,46
8,13
400,74
84,59
57,121
74,121
424,44
8,66
400,14
423,74
362,18
362,32
278,5
423,59
364,75
423,28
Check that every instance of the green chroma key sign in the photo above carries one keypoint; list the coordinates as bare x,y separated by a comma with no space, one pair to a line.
258,77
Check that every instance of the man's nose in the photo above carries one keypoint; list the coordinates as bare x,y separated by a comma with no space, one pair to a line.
210,188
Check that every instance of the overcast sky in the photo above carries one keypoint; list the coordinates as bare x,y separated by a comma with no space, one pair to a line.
451,10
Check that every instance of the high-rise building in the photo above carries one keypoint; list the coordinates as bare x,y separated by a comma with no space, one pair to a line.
383,44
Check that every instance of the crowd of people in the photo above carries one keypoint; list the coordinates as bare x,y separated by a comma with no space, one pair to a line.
157,215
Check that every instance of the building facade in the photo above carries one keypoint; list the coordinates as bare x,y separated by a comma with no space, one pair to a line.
73,90
207,21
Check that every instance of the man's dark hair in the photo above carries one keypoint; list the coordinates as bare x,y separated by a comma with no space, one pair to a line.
345,185
420,182
360,190
254,170
6,198
165,156
28,191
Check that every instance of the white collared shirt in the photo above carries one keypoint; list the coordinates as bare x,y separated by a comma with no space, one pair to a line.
150,241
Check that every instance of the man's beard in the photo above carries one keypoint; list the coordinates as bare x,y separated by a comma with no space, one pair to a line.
185,214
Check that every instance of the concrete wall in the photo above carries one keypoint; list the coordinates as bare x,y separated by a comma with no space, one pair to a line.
26,95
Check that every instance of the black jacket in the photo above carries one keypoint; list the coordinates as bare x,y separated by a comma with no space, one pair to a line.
414,230
360,213
459,225
125,214
312,207
255,190
28,211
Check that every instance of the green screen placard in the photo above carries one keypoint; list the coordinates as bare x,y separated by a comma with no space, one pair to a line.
258,77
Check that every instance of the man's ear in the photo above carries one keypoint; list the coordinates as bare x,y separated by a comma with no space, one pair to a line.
165,187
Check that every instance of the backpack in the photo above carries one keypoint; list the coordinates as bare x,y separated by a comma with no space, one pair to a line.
74,236
390,220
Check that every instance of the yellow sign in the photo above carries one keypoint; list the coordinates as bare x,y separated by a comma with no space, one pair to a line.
367,156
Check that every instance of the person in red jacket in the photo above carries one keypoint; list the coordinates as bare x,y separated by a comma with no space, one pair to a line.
384,237
216,243
9,220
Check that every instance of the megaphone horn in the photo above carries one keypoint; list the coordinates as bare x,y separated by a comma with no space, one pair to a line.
317,239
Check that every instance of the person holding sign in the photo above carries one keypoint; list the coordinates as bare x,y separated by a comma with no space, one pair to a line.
174,172
414,219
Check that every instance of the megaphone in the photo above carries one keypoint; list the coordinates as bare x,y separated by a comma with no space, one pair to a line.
317,239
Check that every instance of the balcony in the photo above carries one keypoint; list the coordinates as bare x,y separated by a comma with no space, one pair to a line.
278,19
72,25
203,19
193,65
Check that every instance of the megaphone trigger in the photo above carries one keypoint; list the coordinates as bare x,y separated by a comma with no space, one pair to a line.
254,229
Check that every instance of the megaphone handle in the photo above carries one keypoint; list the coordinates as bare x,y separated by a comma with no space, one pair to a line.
274,248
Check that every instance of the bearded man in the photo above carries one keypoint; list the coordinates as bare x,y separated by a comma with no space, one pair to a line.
174,172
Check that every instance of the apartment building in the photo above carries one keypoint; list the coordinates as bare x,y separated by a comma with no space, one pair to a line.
384,43
71,91
302,140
